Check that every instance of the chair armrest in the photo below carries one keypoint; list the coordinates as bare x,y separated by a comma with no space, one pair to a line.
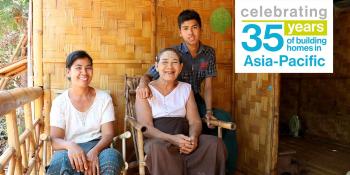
45,137
135,124
222,124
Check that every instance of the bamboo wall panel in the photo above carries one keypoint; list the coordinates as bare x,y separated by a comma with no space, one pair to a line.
323,101
106,29
256,122
118,35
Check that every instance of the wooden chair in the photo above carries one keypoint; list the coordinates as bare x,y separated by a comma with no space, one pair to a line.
137,129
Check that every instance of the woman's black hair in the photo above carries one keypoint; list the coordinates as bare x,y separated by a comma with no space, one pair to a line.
78,54
168,49
188,14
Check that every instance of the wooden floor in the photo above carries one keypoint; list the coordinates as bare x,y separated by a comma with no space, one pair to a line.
318,157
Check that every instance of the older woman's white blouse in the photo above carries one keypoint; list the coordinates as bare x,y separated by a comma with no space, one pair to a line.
171,105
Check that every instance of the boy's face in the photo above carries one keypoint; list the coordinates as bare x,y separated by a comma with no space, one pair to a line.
190,32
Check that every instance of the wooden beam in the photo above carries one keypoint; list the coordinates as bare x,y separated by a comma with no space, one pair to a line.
16,71
119,61
13,66
12,99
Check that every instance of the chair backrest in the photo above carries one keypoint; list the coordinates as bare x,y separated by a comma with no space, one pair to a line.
131,84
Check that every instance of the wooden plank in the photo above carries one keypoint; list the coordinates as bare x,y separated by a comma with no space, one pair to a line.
325,158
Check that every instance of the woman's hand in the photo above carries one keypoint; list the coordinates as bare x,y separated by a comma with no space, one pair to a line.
186,144
189,148
77,158
180,140
94,166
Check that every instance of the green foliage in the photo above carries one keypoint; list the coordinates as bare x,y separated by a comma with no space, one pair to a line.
13,13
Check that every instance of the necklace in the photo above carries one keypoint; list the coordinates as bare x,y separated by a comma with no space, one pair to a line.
83,115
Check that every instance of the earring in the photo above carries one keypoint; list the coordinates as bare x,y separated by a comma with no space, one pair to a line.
69,78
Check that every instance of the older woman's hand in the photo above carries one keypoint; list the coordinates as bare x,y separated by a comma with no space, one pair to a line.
189,148
180,140
77,158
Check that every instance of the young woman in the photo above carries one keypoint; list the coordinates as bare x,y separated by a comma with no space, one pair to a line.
82,124
175,145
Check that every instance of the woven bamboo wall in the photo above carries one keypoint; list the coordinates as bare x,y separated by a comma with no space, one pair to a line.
323,99
256,100
118,35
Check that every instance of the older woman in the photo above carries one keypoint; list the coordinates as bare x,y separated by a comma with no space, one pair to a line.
174,144
82,124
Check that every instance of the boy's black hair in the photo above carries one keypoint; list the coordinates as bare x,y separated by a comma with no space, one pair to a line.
188,14
165,50
78,54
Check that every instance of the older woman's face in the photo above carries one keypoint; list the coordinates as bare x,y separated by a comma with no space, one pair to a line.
81,72
169,66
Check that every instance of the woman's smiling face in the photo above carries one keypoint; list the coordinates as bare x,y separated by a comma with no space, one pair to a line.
81,72
169,66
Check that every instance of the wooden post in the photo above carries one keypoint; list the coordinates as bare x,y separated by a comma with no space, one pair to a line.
29,125
47,107
141,153
154,29
39,129
38,58
38,42
275,112
24,156
219,132
30,46
13,141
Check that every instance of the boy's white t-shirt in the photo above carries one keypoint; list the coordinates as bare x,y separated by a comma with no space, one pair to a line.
79,126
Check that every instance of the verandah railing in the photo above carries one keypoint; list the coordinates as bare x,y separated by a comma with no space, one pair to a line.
24,152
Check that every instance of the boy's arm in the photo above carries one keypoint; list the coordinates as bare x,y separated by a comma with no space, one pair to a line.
208,94
142,90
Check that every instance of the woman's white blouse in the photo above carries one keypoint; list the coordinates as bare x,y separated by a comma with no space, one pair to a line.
79,126
171,105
